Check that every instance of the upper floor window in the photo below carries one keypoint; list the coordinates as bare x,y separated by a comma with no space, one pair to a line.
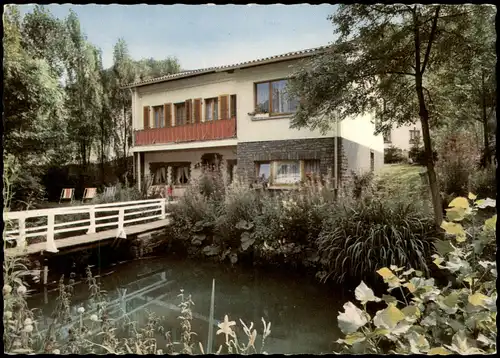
387,136
159,119
211,109
233,106
272,97
180,113
414,135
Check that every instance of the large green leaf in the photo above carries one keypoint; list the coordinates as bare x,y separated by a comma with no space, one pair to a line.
247,240
388,317
352,318
365,294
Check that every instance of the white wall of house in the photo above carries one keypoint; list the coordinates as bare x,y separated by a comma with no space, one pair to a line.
361,130
242,83
360,143
400,136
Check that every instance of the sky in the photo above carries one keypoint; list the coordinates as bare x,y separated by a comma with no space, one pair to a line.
202,35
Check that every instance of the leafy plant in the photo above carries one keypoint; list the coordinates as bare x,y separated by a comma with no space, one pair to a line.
458,318
365,235
418,156
393,155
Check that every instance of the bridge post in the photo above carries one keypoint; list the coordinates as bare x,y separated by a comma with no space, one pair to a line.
163,205
91,229
121,223
21,242
51,245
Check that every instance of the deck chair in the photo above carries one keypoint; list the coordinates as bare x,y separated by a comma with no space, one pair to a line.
89,194
67,194
109,191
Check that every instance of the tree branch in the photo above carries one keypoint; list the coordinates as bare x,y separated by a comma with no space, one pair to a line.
400,73
428,94
448,16
431,39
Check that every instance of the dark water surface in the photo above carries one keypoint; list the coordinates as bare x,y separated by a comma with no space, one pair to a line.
302,312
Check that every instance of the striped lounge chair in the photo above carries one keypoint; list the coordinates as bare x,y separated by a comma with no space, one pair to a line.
89,194
67,194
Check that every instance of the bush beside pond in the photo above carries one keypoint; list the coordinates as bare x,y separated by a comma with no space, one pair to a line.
339,239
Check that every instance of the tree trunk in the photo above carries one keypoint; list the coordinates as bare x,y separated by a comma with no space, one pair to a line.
424,113
102,149
487,156
124,144
433,182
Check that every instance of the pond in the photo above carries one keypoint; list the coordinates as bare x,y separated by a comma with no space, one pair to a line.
302,312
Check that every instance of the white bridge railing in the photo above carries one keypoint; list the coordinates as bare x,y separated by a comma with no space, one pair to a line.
119,212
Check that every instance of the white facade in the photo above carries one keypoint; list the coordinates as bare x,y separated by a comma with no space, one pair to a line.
401,137
250,127
241,82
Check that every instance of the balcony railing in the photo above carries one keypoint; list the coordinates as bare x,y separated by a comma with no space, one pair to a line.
210,130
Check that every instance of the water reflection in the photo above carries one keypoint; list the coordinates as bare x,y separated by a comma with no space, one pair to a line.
303,314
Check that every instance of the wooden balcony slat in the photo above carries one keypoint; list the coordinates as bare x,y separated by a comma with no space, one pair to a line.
210,130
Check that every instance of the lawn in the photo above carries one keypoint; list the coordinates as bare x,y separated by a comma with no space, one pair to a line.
401,179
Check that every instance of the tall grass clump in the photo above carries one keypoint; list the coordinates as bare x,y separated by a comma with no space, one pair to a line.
364,235
123,192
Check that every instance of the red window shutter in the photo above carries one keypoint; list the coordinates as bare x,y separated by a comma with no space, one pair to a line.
224,106
189,111
197,110
167,112
146,117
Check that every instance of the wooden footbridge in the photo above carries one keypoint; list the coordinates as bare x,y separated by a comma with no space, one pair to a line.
52,229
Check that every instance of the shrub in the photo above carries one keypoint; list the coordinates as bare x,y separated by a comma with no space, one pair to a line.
365,235
358,183
122,193
417,154
458,159
393,155
458,318
483,182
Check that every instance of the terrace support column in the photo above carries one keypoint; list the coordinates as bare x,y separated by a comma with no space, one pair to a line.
139,170
169,174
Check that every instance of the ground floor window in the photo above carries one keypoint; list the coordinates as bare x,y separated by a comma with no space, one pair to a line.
264,171
285,172
312,170
231,169
181,175
160,176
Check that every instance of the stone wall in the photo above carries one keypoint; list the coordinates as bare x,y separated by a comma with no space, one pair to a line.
351,155
295,149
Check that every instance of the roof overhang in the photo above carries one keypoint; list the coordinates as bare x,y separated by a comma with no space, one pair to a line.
265,61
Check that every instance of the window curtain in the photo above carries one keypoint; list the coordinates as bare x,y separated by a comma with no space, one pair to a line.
312,166
182,176
157,119
263,97
209,107
288,173
162,118
282,103
160,176
163,175
216,109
